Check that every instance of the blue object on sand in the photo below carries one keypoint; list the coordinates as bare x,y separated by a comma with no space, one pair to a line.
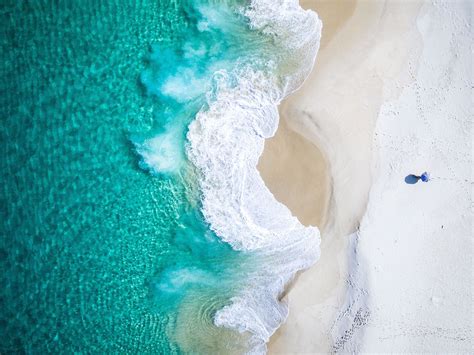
425,177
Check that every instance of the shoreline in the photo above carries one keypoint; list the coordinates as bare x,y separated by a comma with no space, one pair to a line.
335,111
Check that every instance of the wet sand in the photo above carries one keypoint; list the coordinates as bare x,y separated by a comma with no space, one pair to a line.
296,172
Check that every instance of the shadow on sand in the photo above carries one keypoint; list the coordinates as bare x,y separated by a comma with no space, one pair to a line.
411,179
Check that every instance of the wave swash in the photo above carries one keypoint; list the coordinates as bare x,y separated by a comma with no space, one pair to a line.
226,140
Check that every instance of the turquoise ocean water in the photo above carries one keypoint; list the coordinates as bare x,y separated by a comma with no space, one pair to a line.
104,247
98,254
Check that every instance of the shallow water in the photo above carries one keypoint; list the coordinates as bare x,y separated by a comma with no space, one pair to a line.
96,252
104,244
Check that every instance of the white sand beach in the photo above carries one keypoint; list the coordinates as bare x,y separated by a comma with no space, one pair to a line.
388,96
416,240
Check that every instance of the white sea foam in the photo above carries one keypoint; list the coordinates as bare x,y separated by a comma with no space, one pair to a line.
297,30
162,153
225,142
184,86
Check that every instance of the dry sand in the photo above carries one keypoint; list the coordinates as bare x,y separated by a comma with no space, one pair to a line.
417,240
331,119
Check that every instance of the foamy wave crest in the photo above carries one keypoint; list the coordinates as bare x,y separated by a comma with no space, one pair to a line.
297,30
225,142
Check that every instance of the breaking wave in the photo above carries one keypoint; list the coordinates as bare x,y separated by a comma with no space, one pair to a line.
225,142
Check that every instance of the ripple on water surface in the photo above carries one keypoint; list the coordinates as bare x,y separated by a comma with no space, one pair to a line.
87,235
